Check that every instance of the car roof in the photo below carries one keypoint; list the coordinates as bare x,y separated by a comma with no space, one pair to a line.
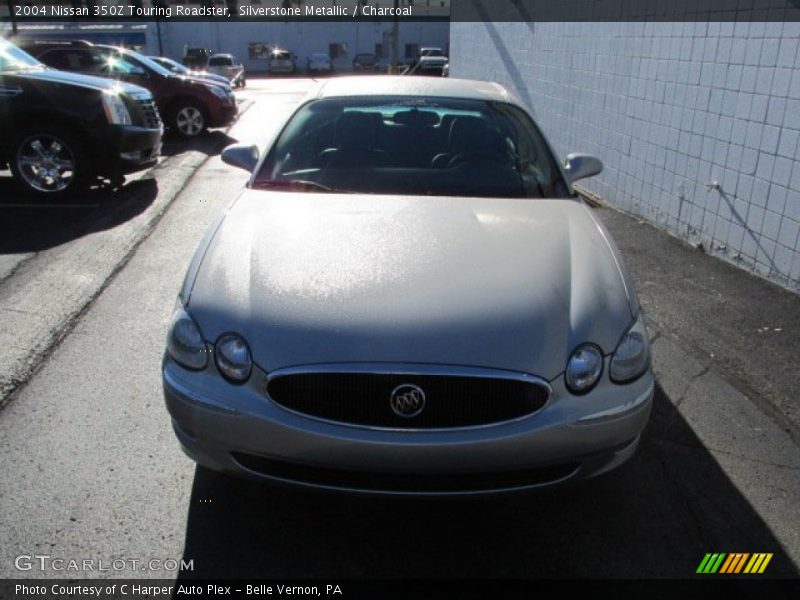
404,85
221,55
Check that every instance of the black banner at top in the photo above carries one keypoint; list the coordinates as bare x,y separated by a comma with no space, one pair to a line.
399,10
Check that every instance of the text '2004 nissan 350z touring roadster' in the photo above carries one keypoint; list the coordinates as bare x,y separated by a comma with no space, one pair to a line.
409,298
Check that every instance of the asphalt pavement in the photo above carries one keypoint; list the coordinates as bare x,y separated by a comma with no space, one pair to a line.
90,469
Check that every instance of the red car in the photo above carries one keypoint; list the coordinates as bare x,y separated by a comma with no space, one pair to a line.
188,104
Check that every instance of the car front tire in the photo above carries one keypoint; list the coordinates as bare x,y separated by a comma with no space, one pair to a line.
188,119
49,162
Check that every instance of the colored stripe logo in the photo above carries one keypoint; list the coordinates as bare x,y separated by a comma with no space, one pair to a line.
734,563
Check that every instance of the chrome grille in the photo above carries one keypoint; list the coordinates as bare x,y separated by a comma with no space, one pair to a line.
148,113
450,401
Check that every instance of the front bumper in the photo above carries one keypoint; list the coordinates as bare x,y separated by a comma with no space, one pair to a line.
239,430
133,148
138,148
223,115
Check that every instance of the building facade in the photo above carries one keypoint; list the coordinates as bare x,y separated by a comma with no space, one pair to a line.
697,123
342,40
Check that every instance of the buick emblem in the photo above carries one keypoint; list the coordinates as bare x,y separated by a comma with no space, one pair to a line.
407,400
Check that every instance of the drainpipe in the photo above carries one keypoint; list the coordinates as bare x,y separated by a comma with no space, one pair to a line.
13,18
395,35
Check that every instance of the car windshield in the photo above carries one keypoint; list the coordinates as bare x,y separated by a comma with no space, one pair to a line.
14,59
170,64
150,64
432,52
282,55
413,145
217,61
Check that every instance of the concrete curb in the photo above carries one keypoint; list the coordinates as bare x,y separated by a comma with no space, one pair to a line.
46,293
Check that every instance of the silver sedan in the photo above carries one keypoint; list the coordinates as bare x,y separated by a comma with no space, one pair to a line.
409,298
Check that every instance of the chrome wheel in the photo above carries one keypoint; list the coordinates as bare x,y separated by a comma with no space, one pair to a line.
46,163
189,121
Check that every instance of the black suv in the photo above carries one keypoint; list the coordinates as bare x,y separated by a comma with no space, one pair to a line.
62,131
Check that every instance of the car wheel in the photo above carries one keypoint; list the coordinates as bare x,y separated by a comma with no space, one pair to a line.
188,119
49,162
243,82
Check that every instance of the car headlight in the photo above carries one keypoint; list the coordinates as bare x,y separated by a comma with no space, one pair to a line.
632,356
115,109
584,368
232,356
218,91
185,342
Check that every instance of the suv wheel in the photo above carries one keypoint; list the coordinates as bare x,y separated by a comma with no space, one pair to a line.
48,162
188,119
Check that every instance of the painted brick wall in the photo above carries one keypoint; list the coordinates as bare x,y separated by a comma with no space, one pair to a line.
669,108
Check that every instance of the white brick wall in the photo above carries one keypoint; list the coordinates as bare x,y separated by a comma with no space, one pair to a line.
668,107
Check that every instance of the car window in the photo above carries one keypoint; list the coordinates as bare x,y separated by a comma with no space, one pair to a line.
428,146
108,63
143,61
67,59
281,55
170,64
220,61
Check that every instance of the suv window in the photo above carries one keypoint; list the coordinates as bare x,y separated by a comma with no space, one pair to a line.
74,59
220,61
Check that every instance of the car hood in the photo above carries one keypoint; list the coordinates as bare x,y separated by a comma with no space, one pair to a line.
86,81
208,75
194,79
500,283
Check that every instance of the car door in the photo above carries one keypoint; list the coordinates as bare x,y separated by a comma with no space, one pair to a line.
11,97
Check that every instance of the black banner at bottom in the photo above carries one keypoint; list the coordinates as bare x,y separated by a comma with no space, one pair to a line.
348,589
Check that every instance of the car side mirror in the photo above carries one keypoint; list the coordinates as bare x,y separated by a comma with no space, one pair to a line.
580,166
244,156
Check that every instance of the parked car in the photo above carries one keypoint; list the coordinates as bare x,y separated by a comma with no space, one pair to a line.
62,131
430,61
282,61
226,65
188,104
319,62
179,69
197,58
409,297
365,62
